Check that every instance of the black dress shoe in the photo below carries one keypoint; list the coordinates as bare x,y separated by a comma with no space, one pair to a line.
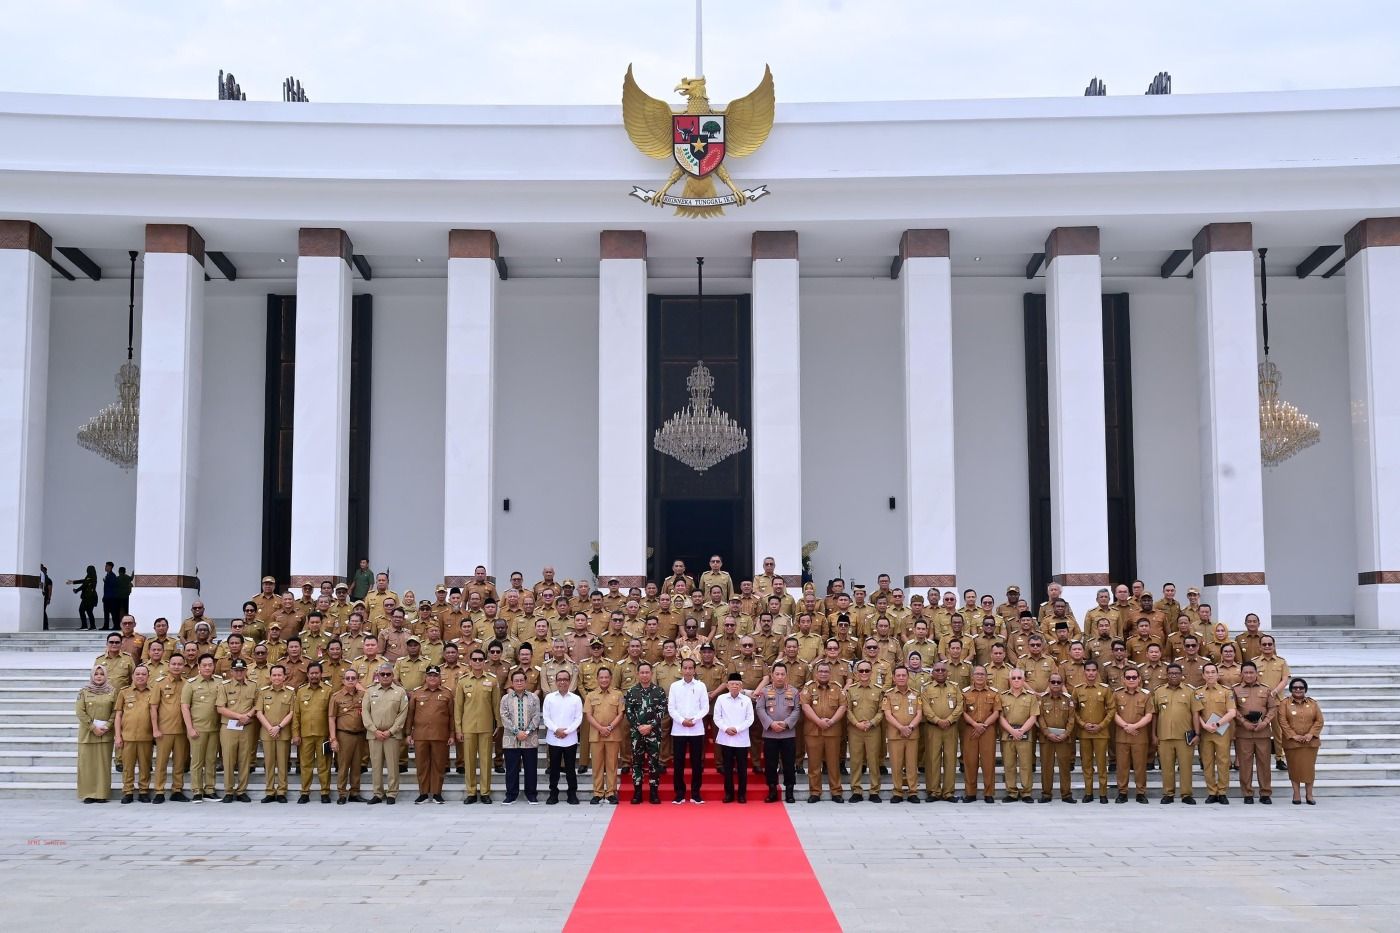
727,798
875,798
914,798
1167,799
1249,800
552,799
612,799
1087,798
485,799
989,800
1265,799
1210,798
837,798
304,798
1070,799
1007,798
281,798
1141,798
812,799
1103,798
572,798
772,796
391,800
970,799
1189,800
341,801
1222,799
499,769
158,798
896,798
857,797
581,769
356,798
470,798
143,797
1121,798
270,798
595,800
325,798
228,798
744,797
930,798
1278,766
128,798
179,797
244,798
1045,798
789,797
375,800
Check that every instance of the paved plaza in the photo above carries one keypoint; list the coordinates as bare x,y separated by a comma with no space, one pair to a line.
69,866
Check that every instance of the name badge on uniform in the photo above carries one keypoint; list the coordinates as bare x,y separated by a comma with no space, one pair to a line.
911,707
952,703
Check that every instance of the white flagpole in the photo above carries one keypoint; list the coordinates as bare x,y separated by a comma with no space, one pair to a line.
699,40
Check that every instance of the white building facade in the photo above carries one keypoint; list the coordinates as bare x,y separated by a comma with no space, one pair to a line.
886,280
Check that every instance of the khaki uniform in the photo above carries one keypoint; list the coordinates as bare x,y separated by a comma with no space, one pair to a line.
134,707
277,704
906,709
941,741
1018,764
201,696
823,745
1301,733
311,730
979,751
172,745
476,706
1175,709
346,715
1132,750
1057,713
410,673
998,676
238,743
863,705
1215,746
118,669
1094,705
605,707
1256,705
1273,672
386,710
430,723
1038,671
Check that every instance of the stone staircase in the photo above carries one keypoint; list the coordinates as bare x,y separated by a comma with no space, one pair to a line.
1354,675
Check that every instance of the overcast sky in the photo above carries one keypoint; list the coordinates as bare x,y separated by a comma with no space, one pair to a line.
547,52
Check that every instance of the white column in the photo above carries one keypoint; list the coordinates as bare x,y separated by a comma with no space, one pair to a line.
777,406
1232,485
470,409
321,408
1078,468
24,383
167,464
1373,331
622,407
929,436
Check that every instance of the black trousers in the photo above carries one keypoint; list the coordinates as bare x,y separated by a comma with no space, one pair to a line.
563,757
109,613
694,745
734,762
515,758
784,751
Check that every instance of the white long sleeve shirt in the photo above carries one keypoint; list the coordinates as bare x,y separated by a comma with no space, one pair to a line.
735,712
688,701
562,712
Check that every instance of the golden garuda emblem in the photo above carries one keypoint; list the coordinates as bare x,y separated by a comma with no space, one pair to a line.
698,138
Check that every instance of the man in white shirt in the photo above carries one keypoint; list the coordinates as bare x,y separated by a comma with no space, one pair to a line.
733,717
562,715
688,701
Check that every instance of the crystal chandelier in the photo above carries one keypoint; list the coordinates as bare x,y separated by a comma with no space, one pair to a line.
700,435
1283,429
113,433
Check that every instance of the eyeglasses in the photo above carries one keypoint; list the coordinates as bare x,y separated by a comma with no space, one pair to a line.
1130,677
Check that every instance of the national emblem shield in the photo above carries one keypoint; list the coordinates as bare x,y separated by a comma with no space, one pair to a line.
698,142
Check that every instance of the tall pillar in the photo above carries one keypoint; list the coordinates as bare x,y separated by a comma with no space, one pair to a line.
1232,484
777,405
622,407
24,380
929,435
321,408
167,454
470,409
1373,331
1078,463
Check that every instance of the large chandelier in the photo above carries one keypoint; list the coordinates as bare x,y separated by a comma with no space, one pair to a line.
1283,429
113,433
700,435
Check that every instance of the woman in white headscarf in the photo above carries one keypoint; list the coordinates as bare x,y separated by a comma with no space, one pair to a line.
95,709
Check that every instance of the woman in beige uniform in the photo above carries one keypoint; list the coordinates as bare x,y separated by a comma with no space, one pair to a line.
1301,720
95,708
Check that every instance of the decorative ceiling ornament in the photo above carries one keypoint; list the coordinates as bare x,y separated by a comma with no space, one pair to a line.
1283,428
700,435
114,432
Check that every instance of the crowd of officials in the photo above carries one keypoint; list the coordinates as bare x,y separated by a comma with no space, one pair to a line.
848,686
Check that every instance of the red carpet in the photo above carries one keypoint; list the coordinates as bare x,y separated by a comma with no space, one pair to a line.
700,868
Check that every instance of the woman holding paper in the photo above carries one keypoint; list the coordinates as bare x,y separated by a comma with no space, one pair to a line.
1301,720
95,709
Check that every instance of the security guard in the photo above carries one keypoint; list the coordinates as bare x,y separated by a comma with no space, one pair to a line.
311,732
275,707
238,738
942,715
